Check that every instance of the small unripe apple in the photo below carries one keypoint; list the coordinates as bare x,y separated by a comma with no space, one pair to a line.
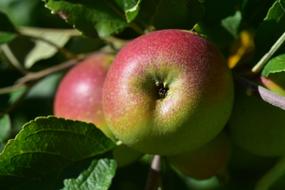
167,92
79,97
257,126
207,161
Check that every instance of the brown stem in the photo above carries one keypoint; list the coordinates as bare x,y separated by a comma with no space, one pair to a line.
153,180
35,76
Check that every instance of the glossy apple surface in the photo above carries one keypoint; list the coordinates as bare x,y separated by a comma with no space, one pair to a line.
167,92
205,162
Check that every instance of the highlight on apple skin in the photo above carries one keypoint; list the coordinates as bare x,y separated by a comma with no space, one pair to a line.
209,160
167,92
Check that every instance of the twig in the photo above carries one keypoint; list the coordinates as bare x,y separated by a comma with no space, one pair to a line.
43,73
269,54
265,94
153,179
35,76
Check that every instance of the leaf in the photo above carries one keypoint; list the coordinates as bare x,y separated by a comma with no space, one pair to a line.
98,176
7,29
232,23
6,37
44,148
130,7
271,28
6,24
44,50
16,95
5,127
91,17
275,65
276,11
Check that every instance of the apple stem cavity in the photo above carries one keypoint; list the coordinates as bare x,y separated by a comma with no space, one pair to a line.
161,89
153,179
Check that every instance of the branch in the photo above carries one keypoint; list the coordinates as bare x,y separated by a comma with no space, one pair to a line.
153,179
269,54
35,76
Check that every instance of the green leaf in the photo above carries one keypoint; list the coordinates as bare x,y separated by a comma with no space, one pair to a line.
90,17
271,28
6,24
7,29
276,11
275,65
6,37
232,23
5,127
98,176
130,7
44,50
44,148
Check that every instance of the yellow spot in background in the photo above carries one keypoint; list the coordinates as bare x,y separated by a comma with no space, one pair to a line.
242,47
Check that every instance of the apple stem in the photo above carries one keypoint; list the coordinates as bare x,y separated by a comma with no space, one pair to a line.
269,54
153,179
271,176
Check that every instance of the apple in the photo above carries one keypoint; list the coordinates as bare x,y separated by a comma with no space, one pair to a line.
209,160
79,94
79,97
257,126
167,92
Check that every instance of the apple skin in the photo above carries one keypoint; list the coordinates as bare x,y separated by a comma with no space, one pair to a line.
256,126
207,161
79,95
167,92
